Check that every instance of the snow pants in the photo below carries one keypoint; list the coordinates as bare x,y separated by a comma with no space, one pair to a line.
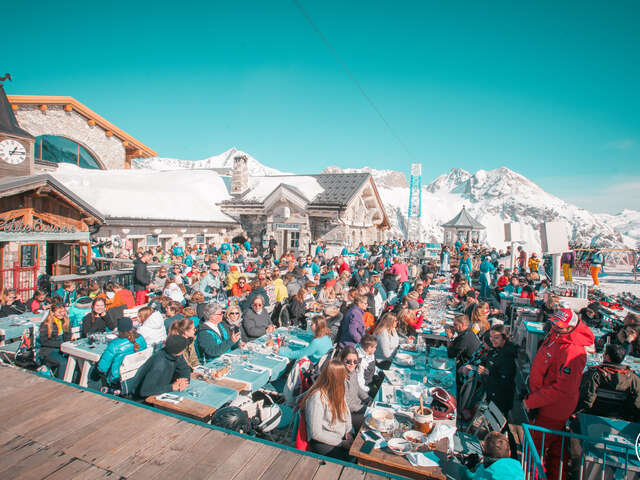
566,271
594,274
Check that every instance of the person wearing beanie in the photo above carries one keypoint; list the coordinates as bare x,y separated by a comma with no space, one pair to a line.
166,370
554,380
127,342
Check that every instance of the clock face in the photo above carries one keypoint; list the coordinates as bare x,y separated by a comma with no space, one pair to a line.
13,152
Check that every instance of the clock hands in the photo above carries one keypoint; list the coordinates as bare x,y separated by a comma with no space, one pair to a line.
14,151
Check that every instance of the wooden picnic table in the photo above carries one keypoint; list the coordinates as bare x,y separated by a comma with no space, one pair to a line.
382,459
240,387
209,398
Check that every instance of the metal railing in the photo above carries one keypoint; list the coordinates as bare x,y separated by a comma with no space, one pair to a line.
613,463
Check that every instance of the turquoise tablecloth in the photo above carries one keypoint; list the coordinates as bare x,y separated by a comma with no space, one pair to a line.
241,373
275,366
208,393
15,325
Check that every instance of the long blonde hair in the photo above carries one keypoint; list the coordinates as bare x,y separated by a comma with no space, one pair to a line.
331,385
387,323
48,322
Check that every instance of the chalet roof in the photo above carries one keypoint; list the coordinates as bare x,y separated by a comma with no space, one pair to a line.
464,220
13,185
8,122
339,188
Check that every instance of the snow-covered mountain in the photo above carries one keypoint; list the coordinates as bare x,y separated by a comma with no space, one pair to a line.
494,197
626,223
222,161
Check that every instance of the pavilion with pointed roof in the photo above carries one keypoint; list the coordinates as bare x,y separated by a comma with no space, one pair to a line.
462,227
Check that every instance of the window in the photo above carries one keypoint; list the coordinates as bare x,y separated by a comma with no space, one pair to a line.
152,241
294,239
63,150
200,238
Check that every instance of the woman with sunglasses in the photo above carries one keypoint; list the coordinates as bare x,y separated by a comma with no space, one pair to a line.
233,321
318,347
355,396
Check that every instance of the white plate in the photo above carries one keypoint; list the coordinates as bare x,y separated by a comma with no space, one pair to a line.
399,446
394,378
421,437
404,359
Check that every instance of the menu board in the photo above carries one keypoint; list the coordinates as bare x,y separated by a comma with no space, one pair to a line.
28,255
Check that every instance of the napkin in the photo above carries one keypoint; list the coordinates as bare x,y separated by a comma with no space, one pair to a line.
302,343
255,369
273,356
419,459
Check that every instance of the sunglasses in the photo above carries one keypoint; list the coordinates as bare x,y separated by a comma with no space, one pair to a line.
215,270
352,362
234,313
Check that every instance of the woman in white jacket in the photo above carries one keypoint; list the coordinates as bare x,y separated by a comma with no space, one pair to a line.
151,326
388,340
328,420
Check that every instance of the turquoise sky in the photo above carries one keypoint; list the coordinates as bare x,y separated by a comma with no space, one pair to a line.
551,89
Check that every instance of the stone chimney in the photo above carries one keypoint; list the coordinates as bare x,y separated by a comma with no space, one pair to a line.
240,175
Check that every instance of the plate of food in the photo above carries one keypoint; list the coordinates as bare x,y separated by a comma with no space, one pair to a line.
394,377
404,359
415,437
399,446
382,420
409,347
439,363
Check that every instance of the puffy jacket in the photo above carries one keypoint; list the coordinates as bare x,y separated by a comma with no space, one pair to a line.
112,357
352,328
400,269
141,276
153,329
556,371
210,344
280,289
569,258
533,264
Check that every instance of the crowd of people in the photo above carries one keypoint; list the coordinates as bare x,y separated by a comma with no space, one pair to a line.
200,303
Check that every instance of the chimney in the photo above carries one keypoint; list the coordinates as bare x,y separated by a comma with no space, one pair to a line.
240,175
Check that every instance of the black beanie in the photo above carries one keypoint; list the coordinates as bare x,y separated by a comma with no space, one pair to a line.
125,324
175,344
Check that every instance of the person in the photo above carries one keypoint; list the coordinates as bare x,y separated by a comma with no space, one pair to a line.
78,311
369,375
98,320
465,266
480,318
352,326
317,348
298,309
240,288
626,335
187,329
210,281
554,380
124,294
327,416
128,342
400,268
486,270
12,305
567,260
388,340
595,266
499,366
172,311
445,266
141,278
256,321
152,326
66,293
591,315
166,370
38,302
213,339
464,345
174,289
273,245
54,331
159,280
611,375
357,398
522,260
497,464
534,263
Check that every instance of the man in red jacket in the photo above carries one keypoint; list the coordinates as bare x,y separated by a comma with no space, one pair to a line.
554,381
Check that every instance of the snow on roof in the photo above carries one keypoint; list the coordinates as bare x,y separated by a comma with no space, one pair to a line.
143,194
261,187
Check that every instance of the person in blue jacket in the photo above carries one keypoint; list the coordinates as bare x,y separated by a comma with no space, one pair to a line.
128,342
226,248
466,266
177,250
486,269
213,338
497,465
457,245
318,347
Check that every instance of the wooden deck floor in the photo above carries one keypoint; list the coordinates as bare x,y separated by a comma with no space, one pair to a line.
56,431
